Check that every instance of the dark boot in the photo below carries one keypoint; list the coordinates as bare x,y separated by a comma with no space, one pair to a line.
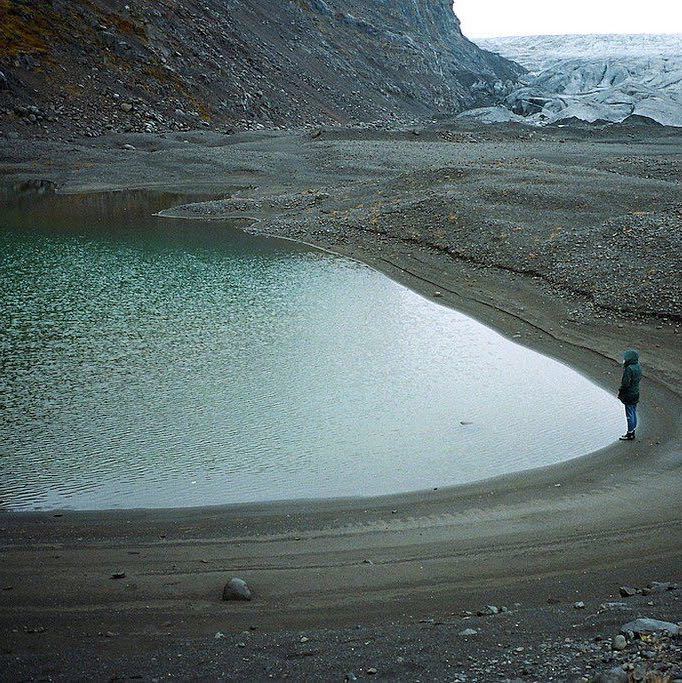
630,436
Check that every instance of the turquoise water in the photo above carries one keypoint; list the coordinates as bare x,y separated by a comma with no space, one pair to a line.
151,362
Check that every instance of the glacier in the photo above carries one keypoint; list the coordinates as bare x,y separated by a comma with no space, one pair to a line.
593,78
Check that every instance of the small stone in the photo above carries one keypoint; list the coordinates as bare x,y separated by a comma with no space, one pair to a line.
627,591
129,146
614,605
639,671
126,106
237,589
579,605
437,294
488,609
241,644
219,635
619,642
350,676
304,639
118,575
468,632
371,671
616,675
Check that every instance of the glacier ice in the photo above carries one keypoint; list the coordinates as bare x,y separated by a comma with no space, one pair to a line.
591,78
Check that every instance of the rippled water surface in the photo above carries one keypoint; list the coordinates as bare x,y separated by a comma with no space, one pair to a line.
149,362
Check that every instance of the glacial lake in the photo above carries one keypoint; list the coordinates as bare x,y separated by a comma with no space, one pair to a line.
150,362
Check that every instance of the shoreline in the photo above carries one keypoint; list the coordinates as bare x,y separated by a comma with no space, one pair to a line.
453,300
126,526
502,481
319,564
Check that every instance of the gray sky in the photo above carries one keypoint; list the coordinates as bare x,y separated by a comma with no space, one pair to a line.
529,17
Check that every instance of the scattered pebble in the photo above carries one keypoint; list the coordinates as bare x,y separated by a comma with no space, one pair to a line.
619,642
468,632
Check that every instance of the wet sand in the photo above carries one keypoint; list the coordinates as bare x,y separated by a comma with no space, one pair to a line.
580,528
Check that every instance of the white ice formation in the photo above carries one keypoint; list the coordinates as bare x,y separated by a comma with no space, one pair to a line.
591,78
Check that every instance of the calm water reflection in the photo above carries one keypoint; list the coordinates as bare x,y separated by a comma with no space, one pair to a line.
149,362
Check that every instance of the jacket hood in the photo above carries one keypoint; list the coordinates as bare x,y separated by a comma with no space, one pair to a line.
630,357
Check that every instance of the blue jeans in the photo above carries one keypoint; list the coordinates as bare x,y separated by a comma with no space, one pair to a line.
631,416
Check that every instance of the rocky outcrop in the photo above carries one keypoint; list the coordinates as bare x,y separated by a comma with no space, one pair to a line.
609,78
98,65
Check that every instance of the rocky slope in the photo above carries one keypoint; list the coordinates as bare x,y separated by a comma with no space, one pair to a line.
89,66
592,78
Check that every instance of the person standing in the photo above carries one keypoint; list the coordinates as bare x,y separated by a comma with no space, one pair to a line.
629,391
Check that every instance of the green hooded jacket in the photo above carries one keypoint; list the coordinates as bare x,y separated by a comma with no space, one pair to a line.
632,373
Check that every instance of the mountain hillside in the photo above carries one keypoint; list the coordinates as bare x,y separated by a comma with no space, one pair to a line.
88,66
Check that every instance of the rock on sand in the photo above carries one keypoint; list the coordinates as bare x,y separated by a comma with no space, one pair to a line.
237,589
650,626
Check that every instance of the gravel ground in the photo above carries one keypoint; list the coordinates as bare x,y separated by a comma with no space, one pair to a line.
567,641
